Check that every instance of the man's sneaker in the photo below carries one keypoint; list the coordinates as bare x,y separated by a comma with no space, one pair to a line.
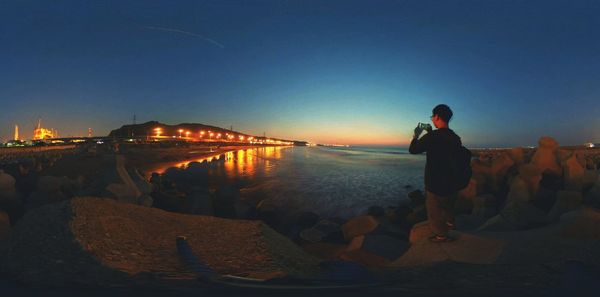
441,238
451,226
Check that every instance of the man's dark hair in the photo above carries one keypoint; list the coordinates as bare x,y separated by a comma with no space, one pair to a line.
443,111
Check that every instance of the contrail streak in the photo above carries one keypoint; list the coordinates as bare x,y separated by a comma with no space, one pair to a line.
212,41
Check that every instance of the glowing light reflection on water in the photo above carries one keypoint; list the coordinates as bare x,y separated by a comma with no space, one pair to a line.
329,181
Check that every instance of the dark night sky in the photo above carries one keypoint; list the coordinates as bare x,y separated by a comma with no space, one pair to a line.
323,71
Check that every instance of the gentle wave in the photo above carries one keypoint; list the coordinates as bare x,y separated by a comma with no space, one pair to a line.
330,182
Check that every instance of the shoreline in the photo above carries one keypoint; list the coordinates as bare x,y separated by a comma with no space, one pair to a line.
186,156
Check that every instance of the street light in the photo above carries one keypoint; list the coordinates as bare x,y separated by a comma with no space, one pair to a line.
158,131
180,131
187,134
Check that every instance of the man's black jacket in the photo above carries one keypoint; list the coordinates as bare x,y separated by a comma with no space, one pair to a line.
441,146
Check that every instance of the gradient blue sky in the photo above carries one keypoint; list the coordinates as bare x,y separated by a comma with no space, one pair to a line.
323,71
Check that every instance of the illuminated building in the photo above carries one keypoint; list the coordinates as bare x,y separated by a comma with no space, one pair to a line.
40,133
16,132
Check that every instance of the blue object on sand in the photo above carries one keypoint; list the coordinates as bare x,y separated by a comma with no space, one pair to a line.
336,275
188,257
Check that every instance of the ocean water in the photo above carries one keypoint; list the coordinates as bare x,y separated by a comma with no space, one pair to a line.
333,182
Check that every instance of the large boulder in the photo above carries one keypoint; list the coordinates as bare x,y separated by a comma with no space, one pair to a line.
589,178
323,230
356,243
517,155
544,199
173,176
485,206
364,258
522,188
545,157
581,224
552,181
468,248
482,171
200,202
324,250
100,242
359,226
145,200
306,219
519,191
197,173
498,170
225,200
532,176
468,222
419,232
565,201
482,183
123,193
48,190
573,174
298,222
312,235
49,184
385,246
402,210
38,198
497,223
394,228
419,214
581,157
563,154
140,182
481,165
7,182
465,197
524,215
8,192
72,187
592,197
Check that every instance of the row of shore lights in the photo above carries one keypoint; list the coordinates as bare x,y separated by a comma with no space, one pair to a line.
230,137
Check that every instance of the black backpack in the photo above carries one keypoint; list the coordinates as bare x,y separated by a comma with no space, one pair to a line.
462,171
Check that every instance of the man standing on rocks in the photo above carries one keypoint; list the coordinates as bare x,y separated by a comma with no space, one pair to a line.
440,145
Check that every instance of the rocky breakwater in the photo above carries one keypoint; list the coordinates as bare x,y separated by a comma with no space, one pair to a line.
523,210
565,253
537,191
95,241
374,239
